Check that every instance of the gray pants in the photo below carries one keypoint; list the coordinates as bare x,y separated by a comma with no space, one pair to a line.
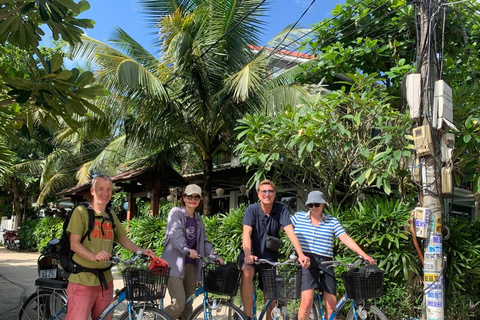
179,290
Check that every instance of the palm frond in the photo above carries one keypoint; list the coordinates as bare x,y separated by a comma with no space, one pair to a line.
83,175
248,79
56,183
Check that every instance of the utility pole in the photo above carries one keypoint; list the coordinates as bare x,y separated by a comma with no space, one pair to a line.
430,108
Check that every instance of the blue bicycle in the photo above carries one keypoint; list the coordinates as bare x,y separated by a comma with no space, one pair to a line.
281,288
360,289
219,286
49,302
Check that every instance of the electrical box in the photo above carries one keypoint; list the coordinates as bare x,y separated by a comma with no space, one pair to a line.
447,181
422,221
447,144
442,105
416,169
422,138
413,87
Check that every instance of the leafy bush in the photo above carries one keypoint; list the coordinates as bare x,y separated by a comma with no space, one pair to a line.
380,227
146,232
48,228
225,230
28,241
462,285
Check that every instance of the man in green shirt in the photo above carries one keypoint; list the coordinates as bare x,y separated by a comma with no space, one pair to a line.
85,292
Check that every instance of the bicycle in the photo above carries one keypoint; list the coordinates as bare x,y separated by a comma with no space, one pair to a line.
360,287
218,281
49,302
281,285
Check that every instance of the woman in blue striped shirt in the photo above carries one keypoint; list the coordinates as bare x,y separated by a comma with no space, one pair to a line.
315,230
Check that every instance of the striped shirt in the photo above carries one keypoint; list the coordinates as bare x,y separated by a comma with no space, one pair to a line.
316,239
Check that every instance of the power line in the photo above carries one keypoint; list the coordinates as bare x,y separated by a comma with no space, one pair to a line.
291,28
359,29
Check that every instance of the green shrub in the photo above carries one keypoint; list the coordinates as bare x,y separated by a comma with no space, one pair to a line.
26,233
146,232
462,281
225,230
380,227
48,228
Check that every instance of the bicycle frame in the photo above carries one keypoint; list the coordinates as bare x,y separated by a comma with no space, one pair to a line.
340,303
119,298
264,310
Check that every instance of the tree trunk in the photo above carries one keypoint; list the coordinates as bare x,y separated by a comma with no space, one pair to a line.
16,203
207,186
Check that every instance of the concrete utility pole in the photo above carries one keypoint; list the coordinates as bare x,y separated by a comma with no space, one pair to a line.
428,134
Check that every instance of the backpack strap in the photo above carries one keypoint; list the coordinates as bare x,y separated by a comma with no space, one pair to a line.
91,220
91,223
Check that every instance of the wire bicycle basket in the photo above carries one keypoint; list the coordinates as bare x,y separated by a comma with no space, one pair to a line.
221,279
282,283
366,283
144,284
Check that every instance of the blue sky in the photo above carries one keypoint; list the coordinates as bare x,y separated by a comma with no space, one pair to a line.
127,15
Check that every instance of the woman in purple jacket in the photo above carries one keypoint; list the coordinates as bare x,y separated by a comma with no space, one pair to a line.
185,239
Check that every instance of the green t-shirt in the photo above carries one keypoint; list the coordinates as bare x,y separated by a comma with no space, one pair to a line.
79,225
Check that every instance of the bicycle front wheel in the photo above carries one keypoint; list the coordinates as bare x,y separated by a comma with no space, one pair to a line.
140,312
44,305
218,309
367,312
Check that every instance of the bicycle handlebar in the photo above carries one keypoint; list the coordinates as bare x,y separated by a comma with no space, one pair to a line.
336,263
292,260
116,259
212,258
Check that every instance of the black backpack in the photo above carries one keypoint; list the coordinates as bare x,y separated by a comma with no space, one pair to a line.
66,254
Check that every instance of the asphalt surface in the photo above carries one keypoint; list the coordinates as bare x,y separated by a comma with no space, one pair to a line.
18,272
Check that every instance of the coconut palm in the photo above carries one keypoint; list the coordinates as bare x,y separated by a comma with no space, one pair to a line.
205,79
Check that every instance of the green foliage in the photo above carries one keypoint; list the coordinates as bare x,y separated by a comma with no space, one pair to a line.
26,233
351,141
48,228
147,232
373,37
5,209
225,232
463,260
20,21
462,306
400,302
380,227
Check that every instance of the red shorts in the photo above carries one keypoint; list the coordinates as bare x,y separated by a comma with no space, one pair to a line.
83,300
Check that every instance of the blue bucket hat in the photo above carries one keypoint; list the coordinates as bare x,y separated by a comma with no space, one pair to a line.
315,197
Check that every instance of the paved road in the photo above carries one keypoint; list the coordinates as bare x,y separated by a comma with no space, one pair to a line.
18,272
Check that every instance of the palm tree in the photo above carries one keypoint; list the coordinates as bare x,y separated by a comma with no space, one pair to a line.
205,78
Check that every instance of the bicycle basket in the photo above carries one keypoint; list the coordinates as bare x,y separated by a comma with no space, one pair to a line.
282,283
366,283
221,279
144,284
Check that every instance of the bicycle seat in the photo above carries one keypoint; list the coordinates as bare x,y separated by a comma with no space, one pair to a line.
51,283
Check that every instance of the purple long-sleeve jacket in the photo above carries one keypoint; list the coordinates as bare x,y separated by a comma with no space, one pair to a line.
176,247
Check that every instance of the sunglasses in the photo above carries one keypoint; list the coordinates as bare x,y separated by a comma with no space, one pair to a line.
267,191
311,205
190,197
